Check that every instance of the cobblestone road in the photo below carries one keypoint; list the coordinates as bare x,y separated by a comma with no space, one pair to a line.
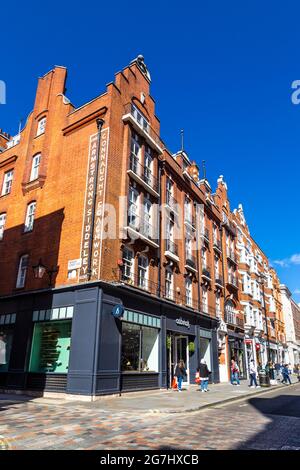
271,421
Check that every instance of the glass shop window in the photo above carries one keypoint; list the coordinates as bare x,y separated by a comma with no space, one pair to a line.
139,348
6,339
50,350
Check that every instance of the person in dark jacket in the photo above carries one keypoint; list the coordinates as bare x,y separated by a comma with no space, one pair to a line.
180,373
286,375
204,376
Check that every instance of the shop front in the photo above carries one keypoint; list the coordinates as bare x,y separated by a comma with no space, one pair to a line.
236,351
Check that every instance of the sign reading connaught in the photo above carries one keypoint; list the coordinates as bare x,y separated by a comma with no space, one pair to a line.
100,201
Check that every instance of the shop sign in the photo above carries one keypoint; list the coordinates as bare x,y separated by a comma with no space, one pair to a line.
117,311
181,322
99,207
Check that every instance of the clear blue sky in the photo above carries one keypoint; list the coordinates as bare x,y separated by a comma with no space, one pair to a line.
220,70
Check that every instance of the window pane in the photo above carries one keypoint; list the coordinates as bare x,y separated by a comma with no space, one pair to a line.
6,338
130,347
51,347
149,357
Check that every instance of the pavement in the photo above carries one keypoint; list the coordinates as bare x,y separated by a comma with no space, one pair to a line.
157,401
252,419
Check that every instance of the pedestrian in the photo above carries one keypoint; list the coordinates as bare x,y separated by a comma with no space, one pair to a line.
204,376
277,370
286,376
180,374
235,372
298,372
253,376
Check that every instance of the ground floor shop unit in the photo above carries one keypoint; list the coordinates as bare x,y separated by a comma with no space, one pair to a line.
96,339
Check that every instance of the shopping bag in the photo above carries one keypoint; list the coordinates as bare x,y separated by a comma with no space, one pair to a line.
174,383
197,378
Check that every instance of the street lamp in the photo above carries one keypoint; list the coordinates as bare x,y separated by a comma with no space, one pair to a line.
40,269
262,278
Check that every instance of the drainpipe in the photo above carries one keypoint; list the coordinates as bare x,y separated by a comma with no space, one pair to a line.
100,123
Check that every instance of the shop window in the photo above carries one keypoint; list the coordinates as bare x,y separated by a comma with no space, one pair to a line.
139,348
6,338
51,347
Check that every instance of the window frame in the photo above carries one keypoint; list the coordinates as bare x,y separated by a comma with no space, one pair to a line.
34,173
22,271
7,181
28,217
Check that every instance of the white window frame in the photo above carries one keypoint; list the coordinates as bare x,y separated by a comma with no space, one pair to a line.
35,166
7,182
30,215
2,224
169,283
128,264
143,272
189,292
133,206
22,271
41,126
148,165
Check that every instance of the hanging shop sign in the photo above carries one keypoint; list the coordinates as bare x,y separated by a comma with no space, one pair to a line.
117,311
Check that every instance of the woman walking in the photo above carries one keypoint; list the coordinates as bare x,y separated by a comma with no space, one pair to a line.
180,373
204,376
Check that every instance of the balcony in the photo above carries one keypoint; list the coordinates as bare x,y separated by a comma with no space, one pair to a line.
219,280
172,250
139,282
231,255
142,127
206,273
230,227
233,320
139,228
190,261
171,202
143,175
217,245
233,281
190,220
205,235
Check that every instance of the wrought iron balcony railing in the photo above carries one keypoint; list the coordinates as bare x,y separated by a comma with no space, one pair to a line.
172,247
143,172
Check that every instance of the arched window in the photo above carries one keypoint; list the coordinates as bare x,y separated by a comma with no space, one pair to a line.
29,219
35,167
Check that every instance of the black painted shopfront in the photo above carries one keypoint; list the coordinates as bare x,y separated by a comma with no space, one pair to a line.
67,340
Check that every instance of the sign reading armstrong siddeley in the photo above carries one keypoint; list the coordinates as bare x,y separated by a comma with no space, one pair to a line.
88,209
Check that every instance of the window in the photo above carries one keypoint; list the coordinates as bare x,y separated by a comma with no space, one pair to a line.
6,339
2,224
169,283
29,220
51,347
217,272
203,258
23,265
35,167
189,292
139,118
41,126
188,210
143,265
218,305
7,182
204,300
128,267
147,218
133,207
139,348
135,154
148,166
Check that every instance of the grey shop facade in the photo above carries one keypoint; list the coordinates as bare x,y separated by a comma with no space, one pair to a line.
98,338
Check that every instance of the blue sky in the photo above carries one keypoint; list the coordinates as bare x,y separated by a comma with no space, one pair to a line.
220,70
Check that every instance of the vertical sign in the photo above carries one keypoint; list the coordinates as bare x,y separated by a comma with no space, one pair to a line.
99,206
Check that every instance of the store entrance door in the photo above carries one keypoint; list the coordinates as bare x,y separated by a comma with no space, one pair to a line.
181,352
177,350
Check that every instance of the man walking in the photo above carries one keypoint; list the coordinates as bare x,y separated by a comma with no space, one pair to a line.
286,375
253,379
